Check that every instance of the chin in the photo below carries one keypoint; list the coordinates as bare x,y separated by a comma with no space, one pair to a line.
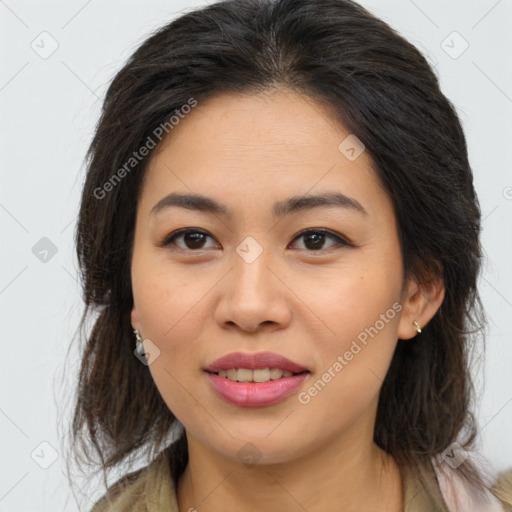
255,450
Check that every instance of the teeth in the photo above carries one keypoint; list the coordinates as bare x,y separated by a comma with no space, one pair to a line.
244,375
276,373
258,375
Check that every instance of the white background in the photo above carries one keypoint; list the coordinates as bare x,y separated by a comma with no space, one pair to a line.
48,111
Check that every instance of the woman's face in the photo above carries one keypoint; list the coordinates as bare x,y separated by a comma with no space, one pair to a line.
245,280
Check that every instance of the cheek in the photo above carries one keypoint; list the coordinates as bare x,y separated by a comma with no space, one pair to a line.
169,303
354,363
359,299
173,316
362,313
171,311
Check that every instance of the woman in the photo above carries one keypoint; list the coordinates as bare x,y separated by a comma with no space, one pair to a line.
280,234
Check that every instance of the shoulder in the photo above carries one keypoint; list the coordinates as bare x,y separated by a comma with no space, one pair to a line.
503,488
459,495
149,489
124,494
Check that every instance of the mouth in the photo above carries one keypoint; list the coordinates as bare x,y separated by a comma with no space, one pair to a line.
255,379
260,387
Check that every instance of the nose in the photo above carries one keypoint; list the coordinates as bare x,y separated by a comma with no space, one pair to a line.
253,296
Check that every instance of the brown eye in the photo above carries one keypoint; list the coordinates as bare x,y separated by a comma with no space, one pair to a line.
192,239
314,239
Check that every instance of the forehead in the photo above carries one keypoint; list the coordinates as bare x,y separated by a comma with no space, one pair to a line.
263,125
246,147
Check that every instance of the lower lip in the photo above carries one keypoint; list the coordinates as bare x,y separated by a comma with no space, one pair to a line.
255,394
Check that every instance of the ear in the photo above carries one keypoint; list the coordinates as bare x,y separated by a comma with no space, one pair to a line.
420,303
134,317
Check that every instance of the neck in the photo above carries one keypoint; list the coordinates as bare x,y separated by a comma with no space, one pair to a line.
341,475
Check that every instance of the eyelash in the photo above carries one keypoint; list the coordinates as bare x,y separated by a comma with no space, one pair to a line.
340,241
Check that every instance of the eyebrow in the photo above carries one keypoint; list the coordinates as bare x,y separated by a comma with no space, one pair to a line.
280,209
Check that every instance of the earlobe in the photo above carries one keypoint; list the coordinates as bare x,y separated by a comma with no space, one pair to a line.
419,306
134,317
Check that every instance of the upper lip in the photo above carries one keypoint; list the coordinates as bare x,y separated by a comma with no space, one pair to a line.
254,361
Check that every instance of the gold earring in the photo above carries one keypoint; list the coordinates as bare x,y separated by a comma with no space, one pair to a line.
138,343
417,325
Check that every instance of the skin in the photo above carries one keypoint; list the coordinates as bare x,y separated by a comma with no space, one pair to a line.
196,305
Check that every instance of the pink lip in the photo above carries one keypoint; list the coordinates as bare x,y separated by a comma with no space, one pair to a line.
255,394
253,362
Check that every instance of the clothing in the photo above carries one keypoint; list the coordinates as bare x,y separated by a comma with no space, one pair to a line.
152,489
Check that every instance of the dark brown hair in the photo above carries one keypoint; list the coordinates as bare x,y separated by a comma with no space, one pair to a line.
381,88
